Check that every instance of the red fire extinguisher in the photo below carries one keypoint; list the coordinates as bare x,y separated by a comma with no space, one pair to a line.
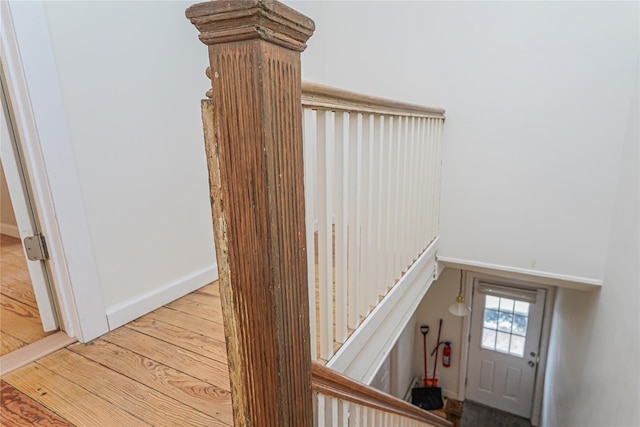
446,354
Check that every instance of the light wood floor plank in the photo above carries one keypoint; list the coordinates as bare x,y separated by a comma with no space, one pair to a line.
187,321
61,396
198,366
215,349
9,343
22,321
19,410
211,288
11,272
193,392
19,316
153,407
20,291
201,305
167,368
14,258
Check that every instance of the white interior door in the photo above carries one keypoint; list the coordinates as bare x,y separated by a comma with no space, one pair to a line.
24,212
504,345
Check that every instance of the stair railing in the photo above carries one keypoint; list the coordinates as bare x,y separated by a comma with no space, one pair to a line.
253,128
372,180
341,401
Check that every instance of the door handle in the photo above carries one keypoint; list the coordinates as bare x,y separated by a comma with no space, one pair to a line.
532,363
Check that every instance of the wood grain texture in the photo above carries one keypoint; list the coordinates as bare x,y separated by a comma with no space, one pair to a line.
19,410
331,383
201,305
228,21
9,343
204,345
253,140
20,321
150,405
19,314
187,321
159,373
19,291
184,388
331,98
79,405
196,365
211,289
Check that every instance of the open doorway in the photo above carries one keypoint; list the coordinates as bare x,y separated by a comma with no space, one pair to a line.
21,323
30,325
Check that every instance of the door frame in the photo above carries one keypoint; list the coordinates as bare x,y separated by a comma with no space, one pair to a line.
30,76
26,220
473,278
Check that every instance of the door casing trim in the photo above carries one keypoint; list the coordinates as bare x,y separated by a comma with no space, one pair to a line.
32,82
471,279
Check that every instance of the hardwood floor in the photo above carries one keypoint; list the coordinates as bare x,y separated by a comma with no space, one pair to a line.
18,409
19,318
167,368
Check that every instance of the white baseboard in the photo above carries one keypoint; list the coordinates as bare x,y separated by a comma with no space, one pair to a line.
126,311
9,230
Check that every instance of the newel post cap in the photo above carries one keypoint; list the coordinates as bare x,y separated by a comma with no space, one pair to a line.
226,21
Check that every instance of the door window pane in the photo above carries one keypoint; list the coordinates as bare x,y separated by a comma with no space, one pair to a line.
506,305
490,319
520,325
489,339
492,302
522,308
502,342
505,325
505,322
517,346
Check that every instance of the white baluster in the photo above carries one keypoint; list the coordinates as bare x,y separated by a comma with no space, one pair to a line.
309,199
353,217
340,224
325,212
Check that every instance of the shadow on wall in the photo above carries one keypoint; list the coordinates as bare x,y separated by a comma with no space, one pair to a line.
575,315
434,307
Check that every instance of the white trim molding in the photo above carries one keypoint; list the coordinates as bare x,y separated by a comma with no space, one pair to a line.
541,277
32,82
362,355
140,305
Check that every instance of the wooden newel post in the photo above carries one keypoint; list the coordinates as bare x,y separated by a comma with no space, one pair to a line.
253,136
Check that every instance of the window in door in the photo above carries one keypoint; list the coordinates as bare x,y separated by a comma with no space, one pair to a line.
505,325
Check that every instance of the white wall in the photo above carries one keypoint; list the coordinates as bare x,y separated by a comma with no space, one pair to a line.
536,96
434,306
593,377
402,369
131,76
